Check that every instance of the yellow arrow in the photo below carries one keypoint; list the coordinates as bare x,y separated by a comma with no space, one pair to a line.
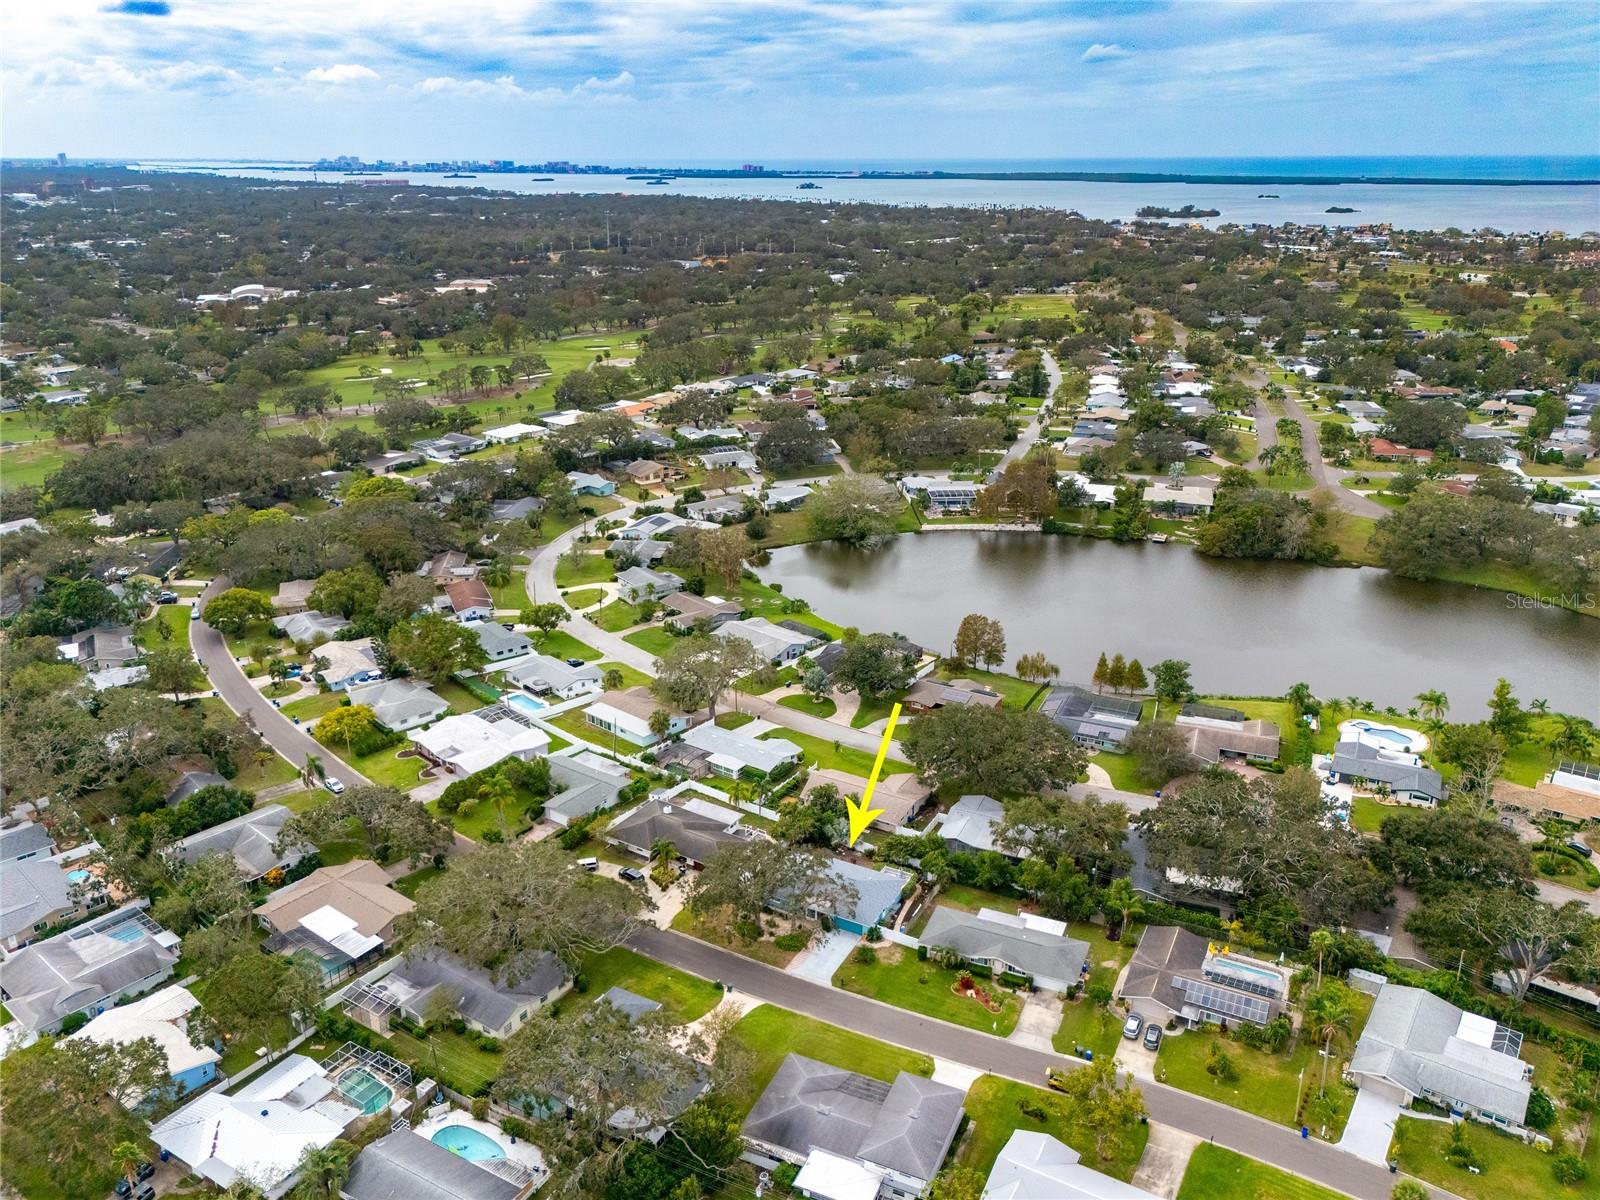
861,813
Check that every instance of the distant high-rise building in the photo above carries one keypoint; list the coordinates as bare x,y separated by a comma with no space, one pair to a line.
61,159
751,167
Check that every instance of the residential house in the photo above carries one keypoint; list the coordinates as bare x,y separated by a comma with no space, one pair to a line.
1099,722
786,497
647,472
1579,776
490,1004
930,695
627,714
22,840
546,676
778,644
697,828
877,894
723,509
87,969
940,495
393,460
1008,942
39,893
855,1137
404,1165
588,783
446,568
970,823
689,610
641,583
342,665
294,595
448,447
713,433
262,1130
101,647
1178,974
469,600
1215,733
1186,500
586,483
500,643
1383,450
1403,776
732,753
516,431
162,1017
190,782
401,704
728,460
304,628
827,658
515,510
1417,1046
1035,1166
342,916
467,743
250,840
657,525
901,797
117,677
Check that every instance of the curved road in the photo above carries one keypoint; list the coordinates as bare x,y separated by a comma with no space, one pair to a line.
1030,433
1230,1127
236,690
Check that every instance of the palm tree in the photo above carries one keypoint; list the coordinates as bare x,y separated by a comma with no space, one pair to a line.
1321,943
323,1169
1540,706
1121,899
128,1157
612,679
1572,738
499,792
1300,697
1328,1014
497,573
662,852
660,722
1433,704
312,771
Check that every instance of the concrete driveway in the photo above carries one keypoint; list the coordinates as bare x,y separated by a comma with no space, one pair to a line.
1038,1021
1370,1129
821,959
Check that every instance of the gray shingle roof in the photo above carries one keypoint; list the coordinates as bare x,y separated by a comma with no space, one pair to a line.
1032,951
696,835
1362,761
26,838
474,992
907,1126
30,892
585,788
406,1166
250,839
53,978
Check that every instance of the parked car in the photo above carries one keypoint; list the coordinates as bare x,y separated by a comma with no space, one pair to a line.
1132,1026
194,611
146,1170
589,864
576,662
631,874
167,598
1152,1036
1581,847
336,786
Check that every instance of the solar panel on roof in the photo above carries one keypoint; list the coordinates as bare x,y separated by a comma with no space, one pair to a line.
1225,1001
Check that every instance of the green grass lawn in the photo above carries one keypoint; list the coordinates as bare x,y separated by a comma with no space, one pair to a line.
996,1107
457,696
584,597
1267,1084
898,978
683,997
175,617
968,899
1216,1173
614,617
653,640
1367,815
839,758
869,711
823,708
573,722
560,644
771,1034
270,770
1511,1170
1014,692
733,720
407,885
631,676
481,818
1094,1027
764,950
309,708
1566,871
465,1065
595,567
387,769
1123,771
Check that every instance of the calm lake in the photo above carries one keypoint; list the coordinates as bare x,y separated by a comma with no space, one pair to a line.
1248,628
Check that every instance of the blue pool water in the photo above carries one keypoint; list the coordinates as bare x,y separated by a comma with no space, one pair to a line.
468,1143
77,876
523,703
365,1090
1385,735
128,931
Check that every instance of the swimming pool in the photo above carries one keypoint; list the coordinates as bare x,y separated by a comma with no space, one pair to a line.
468,1143
1384,734
523,703
365,1090
128,931
78,876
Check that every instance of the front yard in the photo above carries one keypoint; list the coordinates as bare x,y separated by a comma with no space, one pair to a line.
653,640
997,1107
763,949
683,997
901,979
771,1034
1216,1173
1510,1169
832,755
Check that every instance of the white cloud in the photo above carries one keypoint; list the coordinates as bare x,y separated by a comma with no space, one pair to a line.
1104,52
503,85
620,82
340,73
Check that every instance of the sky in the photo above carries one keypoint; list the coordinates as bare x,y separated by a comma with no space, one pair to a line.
677,81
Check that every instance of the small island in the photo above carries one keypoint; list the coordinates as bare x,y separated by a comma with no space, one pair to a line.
1336,208
1188,210
808,186
1267,196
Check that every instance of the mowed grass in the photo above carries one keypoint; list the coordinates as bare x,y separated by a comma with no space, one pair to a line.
821,753
654,640
770,1034
594,567
560,644
1511,1170
683,997
823,708
998,1107
900,979
1216,1173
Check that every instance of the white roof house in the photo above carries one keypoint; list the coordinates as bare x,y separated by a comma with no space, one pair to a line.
472,742
732,751
1194,497
344,663
400,704
514,432
545,674
1032,1166
262,1130
776,643
162,1015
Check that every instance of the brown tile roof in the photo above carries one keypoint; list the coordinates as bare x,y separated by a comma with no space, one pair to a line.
469,593
1547,797
359,889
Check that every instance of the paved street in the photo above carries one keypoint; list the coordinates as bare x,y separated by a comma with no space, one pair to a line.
1030,433
236,690
1228,1127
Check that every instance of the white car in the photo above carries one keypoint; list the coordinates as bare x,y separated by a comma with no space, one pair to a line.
333,785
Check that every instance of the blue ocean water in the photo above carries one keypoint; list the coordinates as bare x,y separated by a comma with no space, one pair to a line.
1551,167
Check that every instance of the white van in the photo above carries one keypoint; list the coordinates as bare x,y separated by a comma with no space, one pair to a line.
589,864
